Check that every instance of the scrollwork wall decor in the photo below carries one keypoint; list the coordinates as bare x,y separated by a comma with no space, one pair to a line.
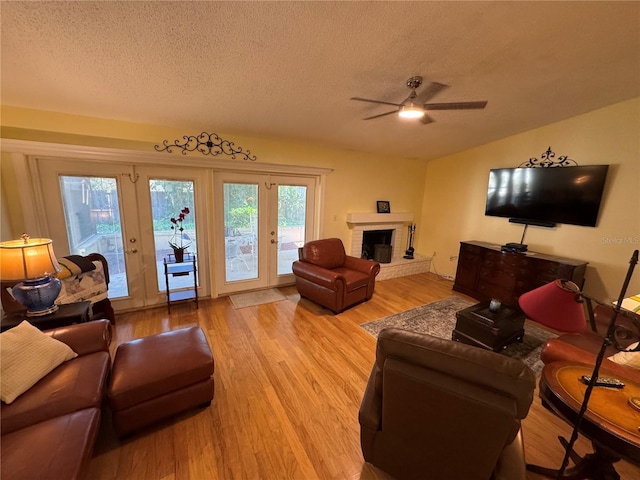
206,144
547,159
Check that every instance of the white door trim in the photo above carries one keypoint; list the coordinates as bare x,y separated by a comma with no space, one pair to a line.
28,147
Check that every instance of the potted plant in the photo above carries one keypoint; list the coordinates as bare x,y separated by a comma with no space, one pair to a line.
177,241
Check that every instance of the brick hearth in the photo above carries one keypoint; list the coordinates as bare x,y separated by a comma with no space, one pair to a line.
399,267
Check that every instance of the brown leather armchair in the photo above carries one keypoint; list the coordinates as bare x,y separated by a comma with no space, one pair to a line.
436,408
328,276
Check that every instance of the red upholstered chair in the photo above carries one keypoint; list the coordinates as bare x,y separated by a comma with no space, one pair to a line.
328,276
583,347
555,306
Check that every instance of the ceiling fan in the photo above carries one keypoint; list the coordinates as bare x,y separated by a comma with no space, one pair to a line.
415,106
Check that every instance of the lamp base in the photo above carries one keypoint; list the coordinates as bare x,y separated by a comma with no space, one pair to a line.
41,313
38,295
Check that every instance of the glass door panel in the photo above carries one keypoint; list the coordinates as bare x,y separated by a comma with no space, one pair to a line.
292,214
241,253
172,207
92,217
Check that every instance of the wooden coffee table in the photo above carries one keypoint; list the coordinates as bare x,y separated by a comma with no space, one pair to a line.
481,327
610,422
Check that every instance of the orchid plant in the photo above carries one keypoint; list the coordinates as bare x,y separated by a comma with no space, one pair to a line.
177,241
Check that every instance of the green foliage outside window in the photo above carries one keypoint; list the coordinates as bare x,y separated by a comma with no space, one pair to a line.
108,228
169,197
242,217
291,211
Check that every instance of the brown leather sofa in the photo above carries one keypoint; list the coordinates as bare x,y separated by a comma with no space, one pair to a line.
584,347
50,430
328,276
436,408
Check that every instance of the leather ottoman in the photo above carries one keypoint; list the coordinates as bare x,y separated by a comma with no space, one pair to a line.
159,376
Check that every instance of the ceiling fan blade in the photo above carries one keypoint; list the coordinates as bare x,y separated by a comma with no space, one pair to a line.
431,91
381,115
376,101
426,119
455,105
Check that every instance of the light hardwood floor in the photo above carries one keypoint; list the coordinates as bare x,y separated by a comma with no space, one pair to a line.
289,378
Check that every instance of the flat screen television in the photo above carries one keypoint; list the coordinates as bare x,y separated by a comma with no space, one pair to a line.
546,196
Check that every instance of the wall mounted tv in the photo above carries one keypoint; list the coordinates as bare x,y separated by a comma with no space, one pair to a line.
546,196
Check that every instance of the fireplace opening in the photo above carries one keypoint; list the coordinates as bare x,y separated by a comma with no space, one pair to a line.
376,245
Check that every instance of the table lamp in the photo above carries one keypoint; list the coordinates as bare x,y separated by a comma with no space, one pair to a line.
32,262
559,305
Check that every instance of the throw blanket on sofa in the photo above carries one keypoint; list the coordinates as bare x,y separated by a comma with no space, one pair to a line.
74,265
88,286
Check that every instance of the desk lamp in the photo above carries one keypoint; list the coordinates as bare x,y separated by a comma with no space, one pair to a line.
559,305
31,261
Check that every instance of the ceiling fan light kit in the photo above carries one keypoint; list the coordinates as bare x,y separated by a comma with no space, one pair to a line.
411,111
414,107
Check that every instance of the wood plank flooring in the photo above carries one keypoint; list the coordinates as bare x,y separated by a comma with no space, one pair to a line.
289,380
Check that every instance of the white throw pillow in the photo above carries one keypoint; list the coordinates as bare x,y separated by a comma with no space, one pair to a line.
27,355
630,359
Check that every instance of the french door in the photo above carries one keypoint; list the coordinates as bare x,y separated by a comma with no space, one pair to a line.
124,213
262,220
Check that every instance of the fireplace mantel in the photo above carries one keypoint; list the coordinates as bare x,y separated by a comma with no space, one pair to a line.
362,218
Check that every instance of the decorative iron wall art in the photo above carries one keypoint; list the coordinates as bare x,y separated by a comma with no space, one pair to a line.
206,144
547,159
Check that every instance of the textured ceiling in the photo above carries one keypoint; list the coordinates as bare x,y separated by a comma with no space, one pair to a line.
288,69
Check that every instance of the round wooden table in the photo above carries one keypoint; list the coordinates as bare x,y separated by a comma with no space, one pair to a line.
610,422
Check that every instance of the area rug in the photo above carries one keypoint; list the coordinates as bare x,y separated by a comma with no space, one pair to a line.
250,299
439,319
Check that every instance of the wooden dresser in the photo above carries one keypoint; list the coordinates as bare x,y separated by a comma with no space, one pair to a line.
485,272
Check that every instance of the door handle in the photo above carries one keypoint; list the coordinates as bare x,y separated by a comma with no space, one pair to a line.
132,250
274,241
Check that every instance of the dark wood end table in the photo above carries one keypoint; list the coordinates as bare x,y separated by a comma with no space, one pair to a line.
610,422
66,314
479,326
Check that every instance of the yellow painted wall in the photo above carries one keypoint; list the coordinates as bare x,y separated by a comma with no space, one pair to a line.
357,180
447,195
11,212
455,194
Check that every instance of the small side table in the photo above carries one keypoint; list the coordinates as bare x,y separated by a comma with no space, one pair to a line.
610,422
480,327
66,314
174,269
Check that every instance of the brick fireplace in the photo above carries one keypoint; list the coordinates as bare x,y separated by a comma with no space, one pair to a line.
397,223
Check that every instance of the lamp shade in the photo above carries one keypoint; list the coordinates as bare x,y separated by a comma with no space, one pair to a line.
27,259
555,305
